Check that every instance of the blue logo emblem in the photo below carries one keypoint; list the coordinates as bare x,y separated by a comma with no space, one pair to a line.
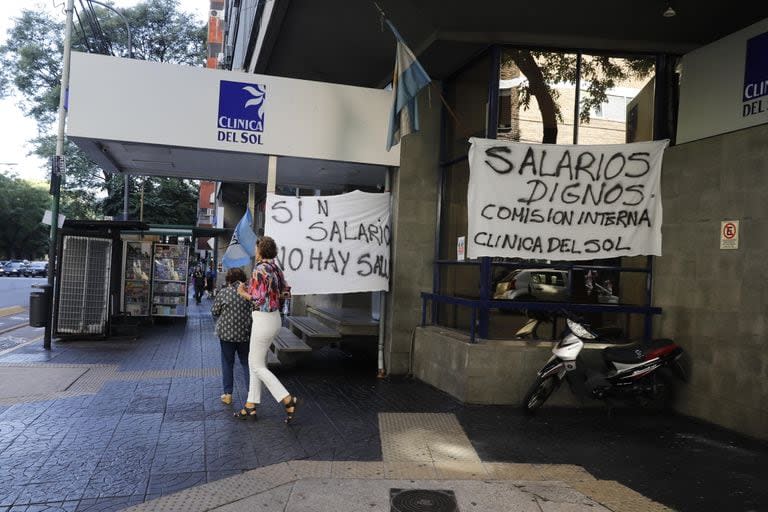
241,106
756,68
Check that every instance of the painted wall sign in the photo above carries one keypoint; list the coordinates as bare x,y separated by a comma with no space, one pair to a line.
135,101
756,76
564,202
241,116
332,244
461,248
724,85
729,234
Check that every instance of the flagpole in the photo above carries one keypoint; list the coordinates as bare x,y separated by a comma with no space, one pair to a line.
385,20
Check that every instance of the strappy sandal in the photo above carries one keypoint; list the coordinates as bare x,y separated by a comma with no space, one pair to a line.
245,413
290,409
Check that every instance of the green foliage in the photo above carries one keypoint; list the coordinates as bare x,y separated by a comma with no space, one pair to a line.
166,200
22,205
598,74
30,64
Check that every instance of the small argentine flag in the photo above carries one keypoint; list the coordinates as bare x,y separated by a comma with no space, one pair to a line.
242,247
408,79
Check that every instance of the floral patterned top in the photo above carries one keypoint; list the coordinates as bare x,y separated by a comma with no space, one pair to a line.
233,315
266,287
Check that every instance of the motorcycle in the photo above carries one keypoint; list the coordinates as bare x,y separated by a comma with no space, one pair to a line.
635,372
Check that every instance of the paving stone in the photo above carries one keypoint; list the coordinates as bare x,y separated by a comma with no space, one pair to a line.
168,483
108,504
149,410
351,469
410,470
66,506
617,497
212,476
10,429
50,491
310,469
179,456
273,499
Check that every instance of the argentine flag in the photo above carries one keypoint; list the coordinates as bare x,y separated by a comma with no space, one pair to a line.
407,80
242,247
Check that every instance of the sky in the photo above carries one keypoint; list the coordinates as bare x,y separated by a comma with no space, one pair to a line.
16,129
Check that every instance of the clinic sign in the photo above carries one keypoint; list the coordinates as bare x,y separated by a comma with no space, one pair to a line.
756,76
241,112
724,85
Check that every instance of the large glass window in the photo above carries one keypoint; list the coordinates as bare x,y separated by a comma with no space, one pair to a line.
543,97
536,96
616,99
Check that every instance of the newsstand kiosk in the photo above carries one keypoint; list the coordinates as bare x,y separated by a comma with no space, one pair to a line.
115,275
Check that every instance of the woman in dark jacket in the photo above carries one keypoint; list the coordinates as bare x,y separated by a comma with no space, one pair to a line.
233,327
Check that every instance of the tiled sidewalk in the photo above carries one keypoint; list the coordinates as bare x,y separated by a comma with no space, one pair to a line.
145,421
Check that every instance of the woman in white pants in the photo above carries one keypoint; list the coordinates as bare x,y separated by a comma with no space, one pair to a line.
266,288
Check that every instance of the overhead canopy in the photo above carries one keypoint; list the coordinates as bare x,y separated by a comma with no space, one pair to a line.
158,119
300,43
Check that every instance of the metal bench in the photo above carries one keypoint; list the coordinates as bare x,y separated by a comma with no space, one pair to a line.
287,348
286,341
311,327
272,360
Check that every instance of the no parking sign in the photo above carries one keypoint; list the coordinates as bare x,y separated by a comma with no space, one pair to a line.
729,234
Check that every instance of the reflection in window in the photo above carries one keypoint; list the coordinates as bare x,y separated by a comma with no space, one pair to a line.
537,97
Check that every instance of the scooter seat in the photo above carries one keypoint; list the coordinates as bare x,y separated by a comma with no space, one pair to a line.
632,353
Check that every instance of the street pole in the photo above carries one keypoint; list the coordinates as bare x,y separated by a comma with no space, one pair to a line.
57,170
141,207
130,56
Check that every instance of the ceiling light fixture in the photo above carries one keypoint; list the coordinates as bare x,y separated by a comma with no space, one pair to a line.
670,12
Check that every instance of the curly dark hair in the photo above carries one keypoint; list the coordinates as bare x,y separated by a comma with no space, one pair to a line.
234,275
267,247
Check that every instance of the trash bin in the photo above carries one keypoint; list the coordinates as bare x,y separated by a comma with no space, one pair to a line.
39,302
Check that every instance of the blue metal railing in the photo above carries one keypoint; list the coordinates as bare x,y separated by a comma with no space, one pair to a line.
476,305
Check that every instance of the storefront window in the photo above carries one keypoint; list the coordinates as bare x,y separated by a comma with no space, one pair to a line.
538,95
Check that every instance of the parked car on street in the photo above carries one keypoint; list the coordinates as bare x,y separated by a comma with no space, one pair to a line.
36,269
15,269
543,284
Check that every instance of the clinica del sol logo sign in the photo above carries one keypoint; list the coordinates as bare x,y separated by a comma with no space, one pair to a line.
241,112
755,100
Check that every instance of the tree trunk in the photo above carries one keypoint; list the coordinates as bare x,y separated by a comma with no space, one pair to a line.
539,88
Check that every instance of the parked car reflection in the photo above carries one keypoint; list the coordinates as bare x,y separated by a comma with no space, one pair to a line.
36,269
543,285
15,269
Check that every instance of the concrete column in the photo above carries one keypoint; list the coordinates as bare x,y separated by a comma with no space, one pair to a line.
415,193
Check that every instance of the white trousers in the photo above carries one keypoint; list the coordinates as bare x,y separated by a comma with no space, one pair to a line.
263,331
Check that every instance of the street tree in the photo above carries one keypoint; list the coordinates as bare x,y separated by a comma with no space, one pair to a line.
30,66
22,204
599,73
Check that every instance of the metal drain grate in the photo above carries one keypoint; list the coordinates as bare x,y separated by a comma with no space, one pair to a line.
422,500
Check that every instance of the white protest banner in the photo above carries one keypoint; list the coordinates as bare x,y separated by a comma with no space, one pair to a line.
332,244
564,202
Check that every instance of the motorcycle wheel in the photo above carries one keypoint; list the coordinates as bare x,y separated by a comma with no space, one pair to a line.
539,392
663,396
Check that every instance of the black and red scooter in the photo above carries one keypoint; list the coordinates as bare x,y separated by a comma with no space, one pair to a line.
638,373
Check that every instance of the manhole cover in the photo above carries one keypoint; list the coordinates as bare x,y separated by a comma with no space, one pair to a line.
422,500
